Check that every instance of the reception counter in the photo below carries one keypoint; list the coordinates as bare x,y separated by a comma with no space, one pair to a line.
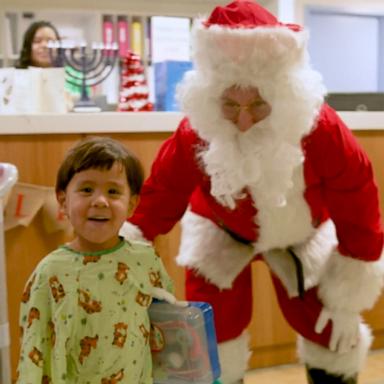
107,122
36,145
114,122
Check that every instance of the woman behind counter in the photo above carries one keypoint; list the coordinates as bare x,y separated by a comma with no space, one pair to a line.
34,51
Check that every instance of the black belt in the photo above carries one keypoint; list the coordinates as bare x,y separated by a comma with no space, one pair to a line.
299,272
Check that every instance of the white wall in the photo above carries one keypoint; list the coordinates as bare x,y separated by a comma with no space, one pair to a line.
357,6
286,11
345,45
345,49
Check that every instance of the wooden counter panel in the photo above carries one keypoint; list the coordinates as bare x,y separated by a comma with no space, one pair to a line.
373,144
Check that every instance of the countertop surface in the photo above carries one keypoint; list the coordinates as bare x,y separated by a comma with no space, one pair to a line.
135,122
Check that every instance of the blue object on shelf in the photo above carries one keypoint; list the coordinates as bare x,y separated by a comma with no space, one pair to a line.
183,344
167,75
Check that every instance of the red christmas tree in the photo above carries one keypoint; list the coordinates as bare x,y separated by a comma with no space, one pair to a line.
134,90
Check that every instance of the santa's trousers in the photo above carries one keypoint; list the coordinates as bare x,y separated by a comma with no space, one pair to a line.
232,312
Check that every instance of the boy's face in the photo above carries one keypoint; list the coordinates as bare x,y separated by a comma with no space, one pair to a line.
97,202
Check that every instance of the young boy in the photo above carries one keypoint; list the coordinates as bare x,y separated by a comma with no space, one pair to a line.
84,312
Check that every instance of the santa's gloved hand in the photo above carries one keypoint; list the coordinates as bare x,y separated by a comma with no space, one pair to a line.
345,328
162,294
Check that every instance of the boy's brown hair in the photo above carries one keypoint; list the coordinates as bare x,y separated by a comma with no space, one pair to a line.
100,153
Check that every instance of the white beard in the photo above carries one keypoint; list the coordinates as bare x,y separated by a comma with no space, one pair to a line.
257,160
264,158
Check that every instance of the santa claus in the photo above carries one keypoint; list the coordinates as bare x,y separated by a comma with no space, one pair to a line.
262,168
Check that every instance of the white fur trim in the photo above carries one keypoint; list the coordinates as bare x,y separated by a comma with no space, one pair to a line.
234,355
211,251
346,364
315,252
132,233
313,255
237,51
350,284
282,225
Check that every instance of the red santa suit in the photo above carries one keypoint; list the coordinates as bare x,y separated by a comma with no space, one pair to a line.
296,191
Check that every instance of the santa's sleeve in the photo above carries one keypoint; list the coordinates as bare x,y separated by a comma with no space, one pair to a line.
165,194
353,277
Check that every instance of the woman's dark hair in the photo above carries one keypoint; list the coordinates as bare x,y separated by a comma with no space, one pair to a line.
100,153
26,50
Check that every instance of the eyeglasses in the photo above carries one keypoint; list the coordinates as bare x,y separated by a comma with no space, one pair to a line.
231,109
41,40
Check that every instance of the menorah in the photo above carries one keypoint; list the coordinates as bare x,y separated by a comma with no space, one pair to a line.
84,67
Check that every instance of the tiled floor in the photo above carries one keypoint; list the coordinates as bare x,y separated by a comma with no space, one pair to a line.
373,373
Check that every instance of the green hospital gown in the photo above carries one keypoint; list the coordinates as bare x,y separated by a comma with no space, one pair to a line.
84,317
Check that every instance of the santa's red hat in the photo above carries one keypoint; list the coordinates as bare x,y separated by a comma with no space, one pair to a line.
244,14
242,39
